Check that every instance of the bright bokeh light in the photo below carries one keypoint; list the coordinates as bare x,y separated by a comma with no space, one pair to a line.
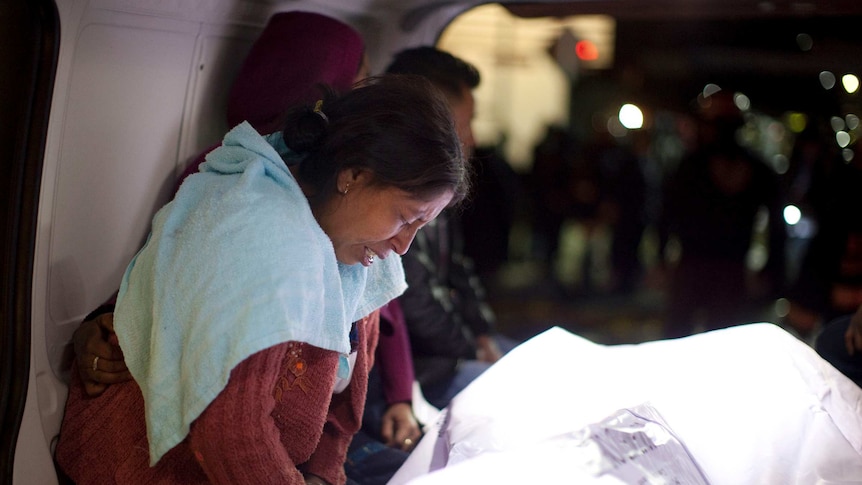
804,41
852,121
742,102
792,215
782,307
843,139
710,89
847,154
837,123
631,117
776,131
850,83
797,122
827,80
586,50
780,163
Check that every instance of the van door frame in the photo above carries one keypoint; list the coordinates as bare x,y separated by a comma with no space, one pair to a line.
29,52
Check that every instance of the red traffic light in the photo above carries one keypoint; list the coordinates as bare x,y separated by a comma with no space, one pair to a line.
586,50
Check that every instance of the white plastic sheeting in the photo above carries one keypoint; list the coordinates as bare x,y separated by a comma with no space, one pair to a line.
752,404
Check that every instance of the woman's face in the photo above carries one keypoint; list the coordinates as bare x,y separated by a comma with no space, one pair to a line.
369,222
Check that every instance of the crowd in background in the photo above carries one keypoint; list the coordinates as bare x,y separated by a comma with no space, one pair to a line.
703,230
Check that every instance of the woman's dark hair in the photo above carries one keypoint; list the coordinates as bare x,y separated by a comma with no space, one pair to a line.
397,127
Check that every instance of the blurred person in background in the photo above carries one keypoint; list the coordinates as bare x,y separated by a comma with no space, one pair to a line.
488,219
710,208
828,281
551,194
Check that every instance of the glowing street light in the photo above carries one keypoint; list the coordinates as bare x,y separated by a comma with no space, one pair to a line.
792,215
631,117
850,82
586,50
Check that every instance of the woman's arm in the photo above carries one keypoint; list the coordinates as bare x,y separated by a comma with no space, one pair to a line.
278,419
269,418
345,413
399,427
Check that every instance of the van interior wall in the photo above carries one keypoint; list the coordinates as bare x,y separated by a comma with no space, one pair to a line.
135,95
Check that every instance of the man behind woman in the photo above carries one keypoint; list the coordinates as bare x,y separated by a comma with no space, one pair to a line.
450,323
265,411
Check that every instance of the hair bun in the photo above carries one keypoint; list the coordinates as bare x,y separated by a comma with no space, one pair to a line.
305,129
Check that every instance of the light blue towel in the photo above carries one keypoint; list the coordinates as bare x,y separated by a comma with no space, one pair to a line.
235,264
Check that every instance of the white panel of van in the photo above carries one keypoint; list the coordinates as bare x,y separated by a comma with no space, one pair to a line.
138,93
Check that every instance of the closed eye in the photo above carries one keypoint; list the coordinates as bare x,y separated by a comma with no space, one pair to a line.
418,221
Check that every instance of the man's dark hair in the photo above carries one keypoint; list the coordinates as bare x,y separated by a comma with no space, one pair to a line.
449,73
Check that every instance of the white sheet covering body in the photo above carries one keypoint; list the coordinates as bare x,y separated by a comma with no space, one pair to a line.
752,404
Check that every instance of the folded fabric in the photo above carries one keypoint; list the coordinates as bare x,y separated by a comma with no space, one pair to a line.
234,264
